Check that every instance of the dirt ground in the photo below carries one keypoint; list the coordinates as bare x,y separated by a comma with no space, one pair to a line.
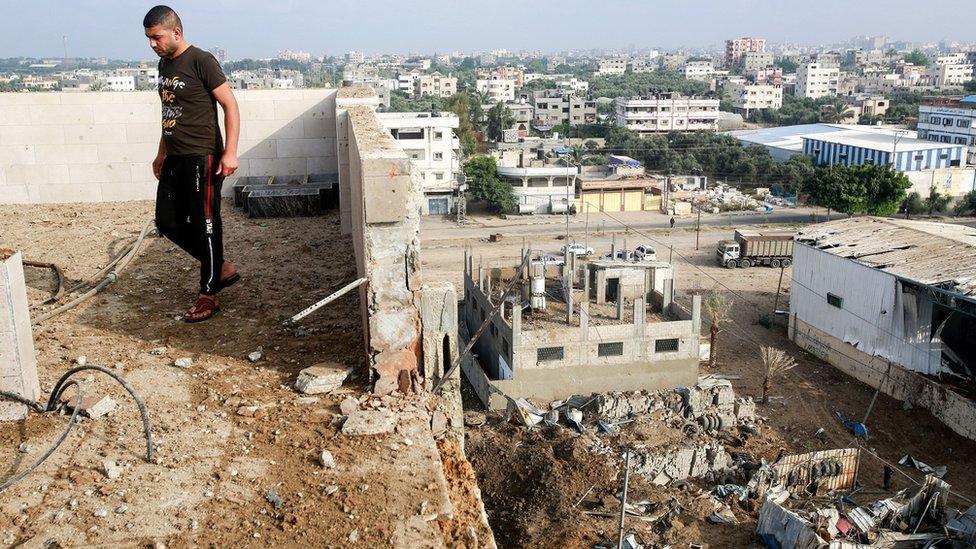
532,481
219,463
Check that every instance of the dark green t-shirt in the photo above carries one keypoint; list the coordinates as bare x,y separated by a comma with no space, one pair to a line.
189,108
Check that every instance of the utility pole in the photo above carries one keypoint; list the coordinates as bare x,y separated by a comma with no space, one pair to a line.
698,226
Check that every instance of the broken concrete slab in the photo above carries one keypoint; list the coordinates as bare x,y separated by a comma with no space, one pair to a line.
18,365
321,378
369,422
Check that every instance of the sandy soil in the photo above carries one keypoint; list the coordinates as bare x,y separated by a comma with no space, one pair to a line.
215,467
531,482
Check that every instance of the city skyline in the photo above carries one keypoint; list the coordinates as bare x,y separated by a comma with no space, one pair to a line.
246,28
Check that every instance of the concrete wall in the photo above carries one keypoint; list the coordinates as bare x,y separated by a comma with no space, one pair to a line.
953,409
18,365
384,220
98,146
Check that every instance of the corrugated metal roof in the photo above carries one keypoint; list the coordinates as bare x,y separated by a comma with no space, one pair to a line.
936,254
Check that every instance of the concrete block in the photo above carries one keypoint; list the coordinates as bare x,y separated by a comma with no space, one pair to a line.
322,164
66,154
273,129
141,171
102,172
28,99
257,110
302,108
131,190
37,174
369,422
321,378
142,132
61,115
94,133
257,148
16,154
127,152
74,192
32,135
18,364
320,127
305,147
125,113
14,115
386,198
14,194
322,94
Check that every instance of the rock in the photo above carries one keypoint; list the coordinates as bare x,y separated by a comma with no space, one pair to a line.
121,509
24,448
183,362
474,419
81,360
438,423
321,378
327,460
248,411
111,470
100,513
158,351
330,489
274,499
354,536
255,356
93,406
348,406
371,422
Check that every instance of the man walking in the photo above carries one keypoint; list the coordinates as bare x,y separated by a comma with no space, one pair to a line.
193,160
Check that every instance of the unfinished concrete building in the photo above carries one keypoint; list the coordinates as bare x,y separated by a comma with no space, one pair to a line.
587,327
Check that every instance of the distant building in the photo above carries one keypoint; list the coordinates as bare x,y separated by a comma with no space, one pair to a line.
219,53
540,185
672,61
435,84
498,89
699,70
852,148
355,57
612,65
621,187
571,83
665,112
554,107
302,56
827,59
504,73
406,81
949,120
428,140
950,75
813,80
737,47
751,97
638,66
120,83
756,60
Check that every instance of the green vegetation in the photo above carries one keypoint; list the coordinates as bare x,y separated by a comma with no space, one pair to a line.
626,85
788,65
500,118
970,86
912,205
469,115
966,205
487,186
917,58
870,189
937,202
583,131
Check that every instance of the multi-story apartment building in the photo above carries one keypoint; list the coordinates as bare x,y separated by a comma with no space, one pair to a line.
827,59
672,61
119,82
428,139
554,107
406,81
949,75
612,65
435,84
666,112
771,75
756,60
813,80
737,47
642,65
498,89
699,70
355,57
504,73
750,97
949,120
573,84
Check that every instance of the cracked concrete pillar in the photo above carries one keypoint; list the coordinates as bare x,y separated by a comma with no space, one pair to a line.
584,303
18,365
667,295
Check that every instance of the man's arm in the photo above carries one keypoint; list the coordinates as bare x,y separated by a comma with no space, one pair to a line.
232,124
157,165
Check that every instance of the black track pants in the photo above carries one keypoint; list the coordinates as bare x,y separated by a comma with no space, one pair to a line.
188,213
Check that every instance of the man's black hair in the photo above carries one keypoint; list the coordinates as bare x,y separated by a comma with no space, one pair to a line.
162,15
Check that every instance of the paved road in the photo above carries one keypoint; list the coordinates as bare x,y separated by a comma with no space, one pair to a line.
444,229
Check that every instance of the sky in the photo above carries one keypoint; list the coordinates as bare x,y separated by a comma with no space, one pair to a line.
261,28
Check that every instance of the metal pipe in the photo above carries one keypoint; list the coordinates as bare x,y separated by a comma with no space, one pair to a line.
335,295
623,500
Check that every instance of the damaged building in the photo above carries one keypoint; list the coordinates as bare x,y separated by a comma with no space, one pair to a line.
893,304
578,328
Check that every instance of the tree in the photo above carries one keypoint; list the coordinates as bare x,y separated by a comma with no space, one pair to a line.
578,154
788,65
870,189
970,86
460,104
936,202
917,58
487,186
500,118
775,362
966,204
717,307
912,205
835,112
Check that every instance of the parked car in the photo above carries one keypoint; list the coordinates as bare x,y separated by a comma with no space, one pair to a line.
645,252
578,249
548,259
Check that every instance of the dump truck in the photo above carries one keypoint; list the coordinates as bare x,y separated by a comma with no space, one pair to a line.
749,248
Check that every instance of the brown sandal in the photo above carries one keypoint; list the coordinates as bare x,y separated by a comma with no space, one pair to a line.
204,308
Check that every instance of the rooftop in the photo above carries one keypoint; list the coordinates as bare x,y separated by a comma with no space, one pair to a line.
936,254
877,141
791,137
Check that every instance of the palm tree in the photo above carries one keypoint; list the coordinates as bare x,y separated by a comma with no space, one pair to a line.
717,307
776,362
835,112
577,154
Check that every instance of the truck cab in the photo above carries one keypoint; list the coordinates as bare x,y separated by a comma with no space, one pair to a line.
727,253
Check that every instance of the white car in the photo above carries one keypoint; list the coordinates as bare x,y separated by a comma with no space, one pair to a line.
548,259
578,249
620,256
645,252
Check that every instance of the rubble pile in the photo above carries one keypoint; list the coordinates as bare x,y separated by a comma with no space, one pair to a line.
722,198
